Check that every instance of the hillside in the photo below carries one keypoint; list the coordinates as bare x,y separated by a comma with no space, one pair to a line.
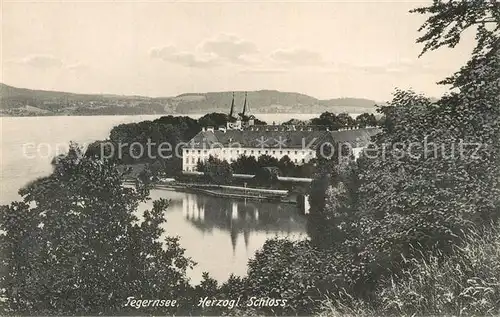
23,102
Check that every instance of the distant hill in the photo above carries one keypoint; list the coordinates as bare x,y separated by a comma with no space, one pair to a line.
22,102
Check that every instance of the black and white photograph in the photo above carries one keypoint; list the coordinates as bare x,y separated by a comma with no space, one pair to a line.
250,158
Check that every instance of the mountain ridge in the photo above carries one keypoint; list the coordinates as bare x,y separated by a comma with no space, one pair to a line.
23,102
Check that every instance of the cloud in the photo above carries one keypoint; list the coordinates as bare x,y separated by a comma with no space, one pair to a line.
46,62
171,54
286,61
266,71
297,57
40,61
218,51
230,48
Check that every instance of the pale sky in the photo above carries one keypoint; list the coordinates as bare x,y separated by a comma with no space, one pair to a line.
158,48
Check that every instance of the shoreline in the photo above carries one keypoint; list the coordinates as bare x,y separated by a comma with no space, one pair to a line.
229,192
4,115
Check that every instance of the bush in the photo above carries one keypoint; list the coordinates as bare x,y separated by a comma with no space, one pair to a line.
217,171
295,271
466,283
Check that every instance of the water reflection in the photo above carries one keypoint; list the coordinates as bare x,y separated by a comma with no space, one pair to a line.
222,234
240,217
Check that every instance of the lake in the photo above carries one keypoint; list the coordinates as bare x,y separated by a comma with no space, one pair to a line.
219,234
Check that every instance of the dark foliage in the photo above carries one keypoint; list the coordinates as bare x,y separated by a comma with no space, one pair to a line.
75,244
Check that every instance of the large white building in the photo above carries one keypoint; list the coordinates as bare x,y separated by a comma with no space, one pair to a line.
300,144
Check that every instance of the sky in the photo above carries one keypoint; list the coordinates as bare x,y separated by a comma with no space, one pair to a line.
326,49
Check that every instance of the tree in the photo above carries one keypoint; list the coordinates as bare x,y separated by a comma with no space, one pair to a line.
471,114
215,120
245,165
449,19
333,121
305,170
297,122
266,176
218,171
333,178
366,120
286,166
408,203
327,119
267,160
75,244
200,166
346,120
416,194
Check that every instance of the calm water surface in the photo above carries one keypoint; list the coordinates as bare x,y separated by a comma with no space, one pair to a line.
219,234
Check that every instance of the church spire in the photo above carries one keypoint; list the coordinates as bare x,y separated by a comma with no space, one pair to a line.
245,105
232,107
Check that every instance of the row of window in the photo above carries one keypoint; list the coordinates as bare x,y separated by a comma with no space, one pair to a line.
193,160
199,151
252,151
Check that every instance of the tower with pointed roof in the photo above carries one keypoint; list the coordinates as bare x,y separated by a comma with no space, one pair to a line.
245,110
247,120
231,112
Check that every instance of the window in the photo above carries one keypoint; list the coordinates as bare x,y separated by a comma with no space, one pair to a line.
303,160
288,152
258,152
281,152
205,151
199,151
237,151
274,152
251,151
295,152
245,152
192,160
187,151
295,160
223,151
267,151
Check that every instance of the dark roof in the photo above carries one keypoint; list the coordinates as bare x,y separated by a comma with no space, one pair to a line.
357,137
289,127
270,138
258,139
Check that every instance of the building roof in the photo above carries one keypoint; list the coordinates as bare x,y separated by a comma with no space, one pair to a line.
288,127
270,137
355,137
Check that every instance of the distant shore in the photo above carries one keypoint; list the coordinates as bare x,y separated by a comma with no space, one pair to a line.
193,115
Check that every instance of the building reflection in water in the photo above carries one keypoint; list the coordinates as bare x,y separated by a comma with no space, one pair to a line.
240,218
221,235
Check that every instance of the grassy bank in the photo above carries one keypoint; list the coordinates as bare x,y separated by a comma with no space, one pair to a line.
467,283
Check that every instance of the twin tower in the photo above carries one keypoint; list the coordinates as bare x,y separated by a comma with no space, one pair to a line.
243,120
246,110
